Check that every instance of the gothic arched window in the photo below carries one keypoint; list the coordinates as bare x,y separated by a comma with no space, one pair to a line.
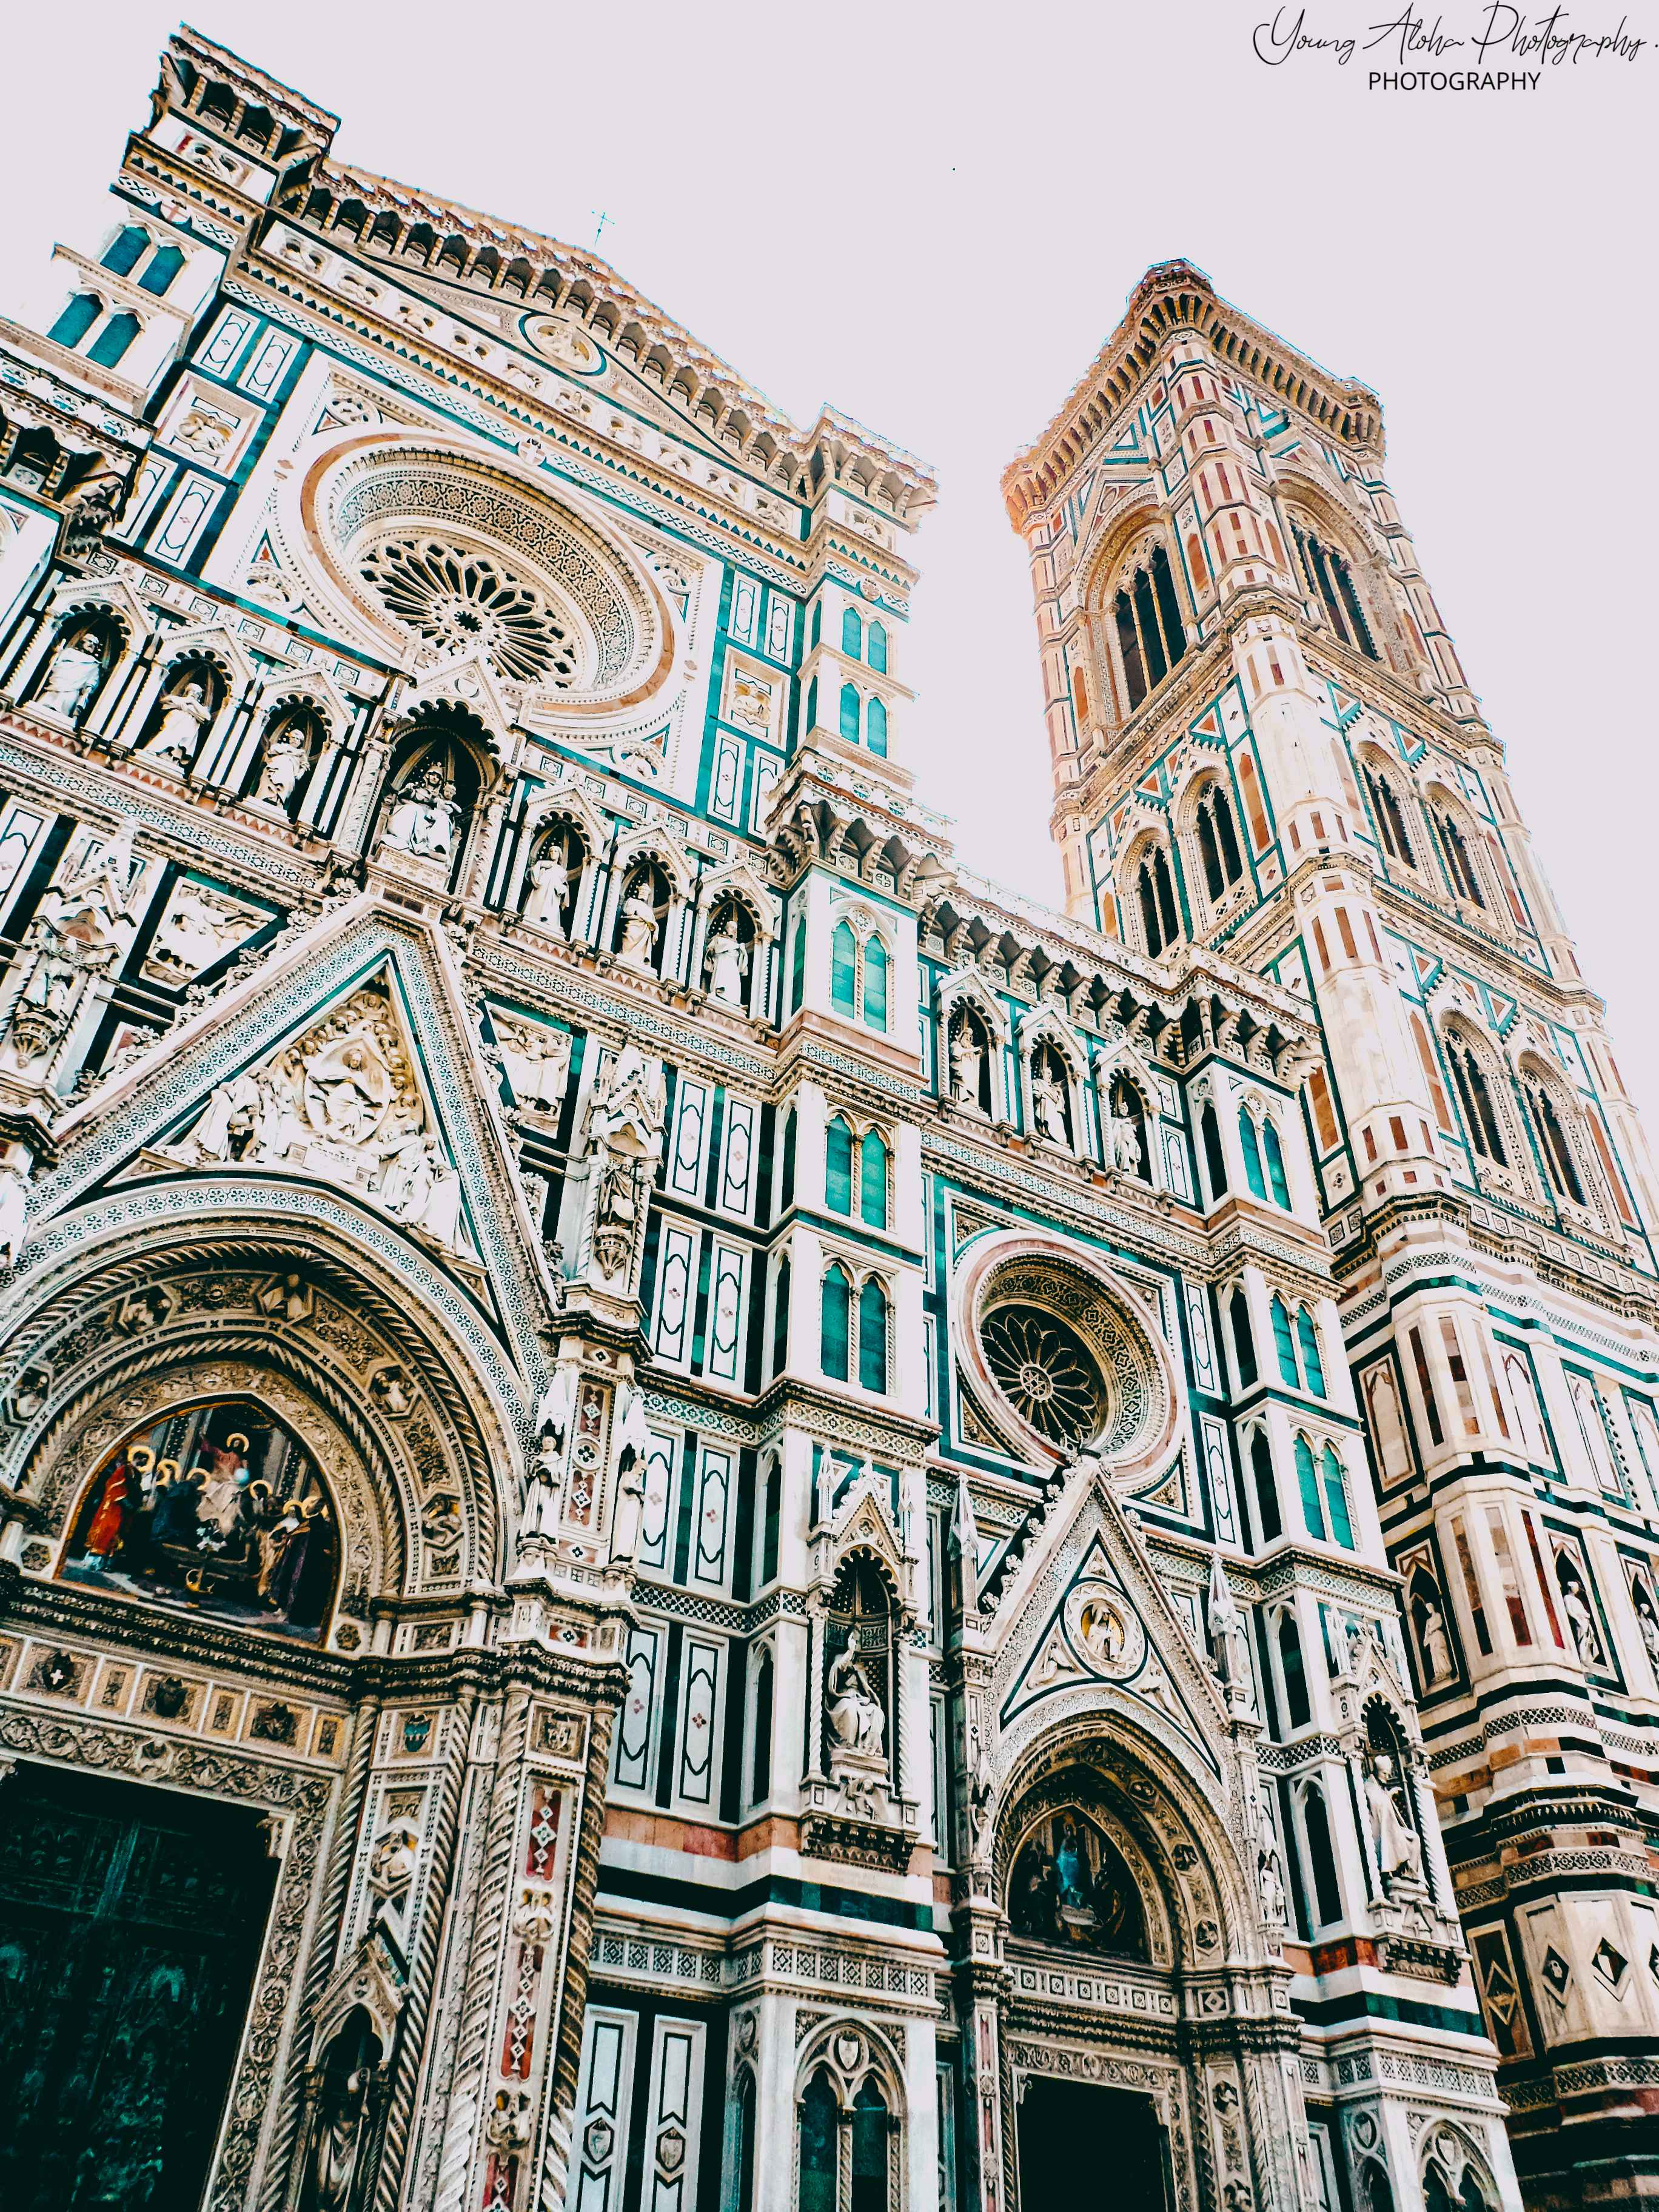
780,1319
872,1336
1284,1345
1150,635
1243,1341
875,649
77,319
1275,1156
1390,818
1297,1711
849,713
1160,923
875,983
112,341
1218,843
1329,573
1267,1490
1475,1097
164,263
745,2148
838,1166
1327,1895
760,1769
1252,1148
875,728
872,2125
872,1180
1215,1160
820,2138
1553,1143
852,634
126,250
1307,1483
844,969
1307,1336
1336,1498
1460,865
836,1323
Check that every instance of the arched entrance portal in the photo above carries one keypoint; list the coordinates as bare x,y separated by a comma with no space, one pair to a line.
1087,2149
130,1923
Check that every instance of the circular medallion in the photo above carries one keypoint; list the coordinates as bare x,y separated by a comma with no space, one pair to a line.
1106,1635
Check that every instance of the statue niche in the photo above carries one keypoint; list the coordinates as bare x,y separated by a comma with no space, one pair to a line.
349,2083
189,700
216,1508
638,939
1051,1096
1126,1136
552,881
293,743
429,798
1070,1886
730,951
858,1688
77,664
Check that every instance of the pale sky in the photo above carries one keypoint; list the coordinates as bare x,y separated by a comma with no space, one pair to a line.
932,216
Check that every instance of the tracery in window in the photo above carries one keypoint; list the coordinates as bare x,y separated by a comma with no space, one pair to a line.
1460,862
1554,1145
460,600
1328,574
1390,817
1154,892
1474,1095
1150,635
1218,843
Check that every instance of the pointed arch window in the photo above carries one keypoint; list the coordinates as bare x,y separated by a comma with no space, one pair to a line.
849,713
745,2128
1475,1097
1160,923
1267,1490
817,631
844,969
798,967
875,983
1150,635
1328,1894
820,2135
872,1336
787,1190
1559,1164
1252,1149
838,1166
870,2129
1460,865
875,649
760,1770
852,634
1283,1344
1299,1712
1307,1483
1329,573
77,319
1218,843
875,728
126,250
1275,1153
1243,1341
835,1329
872,1180
1336,1498
1307,1336
112,341
1215,1161
1391,818
165,264
812,702
781,1320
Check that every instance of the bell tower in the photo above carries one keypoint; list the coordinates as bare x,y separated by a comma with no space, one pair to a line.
1264,744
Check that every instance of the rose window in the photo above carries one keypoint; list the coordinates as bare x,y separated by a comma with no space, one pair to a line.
461,600
1047,1372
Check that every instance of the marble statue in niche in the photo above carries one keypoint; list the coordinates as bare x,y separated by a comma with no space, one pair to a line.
76,670
727,959
425,818
174,740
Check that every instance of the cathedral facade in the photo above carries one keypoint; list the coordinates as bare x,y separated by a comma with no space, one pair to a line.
696,1515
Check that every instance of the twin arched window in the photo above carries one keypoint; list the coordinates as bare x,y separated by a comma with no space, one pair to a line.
853,1332
1460,862
859,975
856,1169
1298,1336
1554,1146
1150,635
859,643
862,2148
1390,817
1474,1095
866,719
112,341
1218,843
1259,1149
1328,574
1324,1494
1160,921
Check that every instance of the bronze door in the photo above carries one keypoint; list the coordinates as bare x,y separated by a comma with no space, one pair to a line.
131,1921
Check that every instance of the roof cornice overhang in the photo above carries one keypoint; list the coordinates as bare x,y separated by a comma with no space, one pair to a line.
1174,297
